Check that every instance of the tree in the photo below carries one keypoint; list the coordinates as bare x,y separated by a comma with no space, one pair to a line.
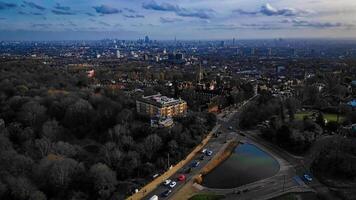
44,146
3,189
15,163
32,114
79,117
115,134
124,116
152,143
21,188
5,143
103,179
111,154
51,130
65,149
38,195
291,104
57,173
320,119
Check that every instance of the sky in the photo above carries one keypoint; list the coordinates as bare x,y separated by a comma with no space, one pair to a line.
183,19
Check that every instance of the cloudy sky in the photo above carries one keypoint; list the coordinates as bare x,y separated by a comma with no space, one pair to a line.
185,19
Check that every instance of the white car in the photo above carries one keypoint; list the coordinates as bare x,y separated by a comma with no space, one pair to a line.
154,197
173,184
204,150
209,153
167,182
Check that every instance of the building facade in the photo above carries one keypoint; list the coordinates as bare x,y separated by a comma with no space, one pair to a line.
161,106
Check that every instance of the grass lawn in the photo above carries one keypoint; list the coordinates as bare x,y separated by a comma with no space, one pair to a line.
301,115
333,117
328,116
206,197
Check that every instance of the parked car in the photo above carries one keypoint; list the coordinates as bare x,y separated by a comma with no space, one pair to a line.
166,193
204,150
154,197
230,128
209,153
307,177
195,164
181,177
187,171
201,157
172,184
167,182
155,176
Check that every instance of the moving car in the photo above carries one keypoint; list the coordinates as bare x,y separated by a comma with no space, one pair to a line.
195,164
209,153
181,177
173,184
166,193
154,197
307,177
167,182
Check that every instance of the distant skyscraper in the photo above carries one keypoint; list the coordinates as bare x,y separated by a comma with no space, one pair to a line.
233,42
147,39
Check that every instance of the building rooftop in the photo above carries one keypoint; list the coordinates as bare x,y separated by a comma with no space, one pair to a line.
160,100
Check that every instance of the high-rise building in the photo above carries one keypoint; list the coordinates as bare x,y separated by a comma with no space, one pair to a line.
147,39
118,54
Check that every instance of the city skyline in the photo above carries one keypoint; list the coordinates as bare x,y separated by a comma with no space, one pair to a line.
162,19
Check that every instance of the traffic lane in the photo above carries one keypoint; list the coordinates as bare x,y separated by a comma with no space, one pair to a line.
195,171
213,145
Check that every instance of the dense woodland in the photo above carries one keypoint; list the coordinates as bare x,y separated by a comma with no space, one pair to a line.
61,139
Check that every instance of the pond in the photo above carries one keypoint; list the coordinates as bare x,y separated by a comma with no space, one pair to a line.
247,164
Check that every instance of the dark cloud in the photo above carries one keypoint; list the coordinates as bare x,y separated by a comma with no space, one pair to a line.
244,12
183,12
36,13
269,10
318,25
34,5
60,7
62,12
41,25
167,20
22,13
90,14
4,5
130,10
104,23
153,5
251,26
106,10
70,23
134,16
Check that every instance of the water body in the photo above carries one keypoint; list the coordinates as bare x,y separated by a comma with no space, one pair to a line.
247,164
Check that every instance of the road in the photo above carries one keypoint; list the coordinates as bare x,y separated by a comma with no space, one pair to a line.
224,121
